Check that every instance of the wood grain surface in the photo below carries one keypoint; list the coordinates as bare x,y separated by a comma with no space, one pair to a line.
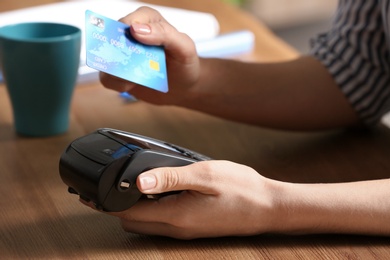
40,220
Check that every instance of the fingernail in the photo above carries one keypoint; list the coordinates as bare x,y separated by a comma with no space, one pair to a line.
147,181
141,28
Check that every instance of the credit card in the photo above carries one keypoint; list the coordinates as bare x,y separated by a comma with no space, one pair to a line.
111,49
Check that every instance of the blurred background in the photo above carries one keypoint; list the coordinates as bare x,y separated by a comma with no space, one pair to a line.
295,21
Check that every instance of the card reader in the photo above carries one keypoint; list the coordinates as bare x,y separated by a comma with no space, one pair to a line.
103,166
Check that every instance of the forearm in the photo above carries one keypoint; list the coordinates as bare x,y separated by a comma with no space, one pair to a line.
297,95
356,208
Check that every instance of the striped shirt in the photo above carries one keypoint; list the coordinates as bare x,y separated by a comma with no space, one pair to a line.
356,53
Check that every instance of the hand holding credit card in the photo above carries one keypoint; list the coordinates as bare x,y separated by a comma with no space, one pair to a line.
111,49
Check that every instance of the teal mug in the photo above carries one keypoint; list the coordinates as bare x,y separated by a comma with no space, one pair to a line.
40,62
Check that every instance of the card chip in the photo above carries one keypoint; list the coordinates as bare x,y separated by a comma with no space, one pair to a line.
154,65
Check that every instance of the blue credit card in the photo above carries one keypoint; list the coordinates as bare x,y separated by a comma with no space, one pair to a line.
111,49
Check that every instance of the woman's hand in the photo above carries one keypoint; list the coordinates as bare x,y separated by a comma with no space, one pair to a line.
149,27
222,198
218,198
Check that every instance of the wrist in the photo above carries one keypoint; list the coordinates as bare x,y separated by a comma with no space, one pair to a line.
270,207
331,208
202,89
278,193
214,88
296,210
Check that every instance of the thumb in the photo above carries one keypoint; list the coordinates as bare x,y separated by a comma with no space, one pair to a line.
165,179
149,27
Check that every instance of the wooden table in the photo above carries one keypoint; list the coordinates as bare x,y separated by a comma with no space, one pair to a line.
40,220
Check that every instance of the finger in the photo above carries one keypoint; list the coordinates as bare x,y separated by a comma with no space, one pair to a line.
143,14
179,212
145,228
89,204
138,91
196,177
146,209
156,229
115,83
149,27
